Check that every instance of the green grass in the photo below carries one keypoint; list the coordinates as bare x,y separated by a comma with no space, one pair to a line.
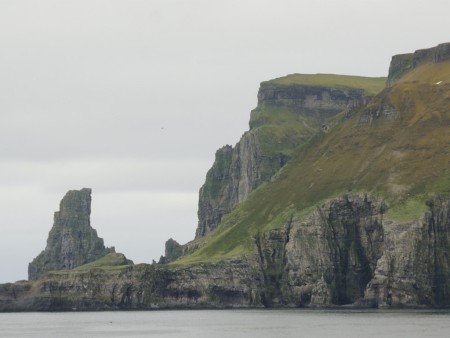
442,184
110,261
410,209
283,129
372,85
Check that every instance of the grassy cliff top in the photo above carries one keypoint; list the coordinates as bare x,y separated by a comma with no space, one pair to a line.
372,85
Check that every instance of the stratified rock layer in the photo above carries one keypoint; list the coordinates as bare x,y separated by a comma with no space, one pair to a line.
72,241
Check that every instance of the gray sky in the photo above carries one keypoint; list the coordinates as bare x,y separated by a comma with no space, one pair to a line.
132,99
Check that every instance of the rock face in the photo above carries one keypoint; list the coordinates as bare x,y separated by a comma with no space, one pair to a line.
402,63
346,252
72,241
238,170
327,257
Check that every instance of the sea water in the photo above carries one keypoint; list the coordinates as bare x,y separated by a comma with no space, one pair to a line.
228,323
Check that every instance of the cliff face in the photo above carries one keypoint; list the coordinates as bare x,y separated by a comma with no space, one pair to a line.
415,266
346,252
343,252
236,172
332,253
302,110
225,284
403,63
72,241
318,101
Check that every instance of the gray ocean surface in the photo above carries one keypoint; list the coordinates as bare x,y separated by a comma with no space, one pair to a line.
229,323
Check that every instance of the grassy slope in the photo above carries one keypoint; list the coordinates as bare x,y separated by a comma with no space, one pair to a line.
428,73
283,129
109,261
402,160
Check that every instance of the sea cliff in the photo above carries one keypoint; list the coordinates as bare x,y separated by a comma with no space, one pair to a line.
338,195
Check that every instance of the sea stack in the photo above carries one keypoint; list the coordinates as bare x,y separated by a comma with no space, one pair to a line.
72,241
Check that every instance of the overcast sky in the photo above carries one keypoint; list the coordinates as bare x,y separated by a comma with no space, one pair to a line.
132,99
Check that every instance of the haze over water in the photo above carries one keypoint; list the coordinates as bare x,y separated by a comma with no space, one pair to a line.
229,323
